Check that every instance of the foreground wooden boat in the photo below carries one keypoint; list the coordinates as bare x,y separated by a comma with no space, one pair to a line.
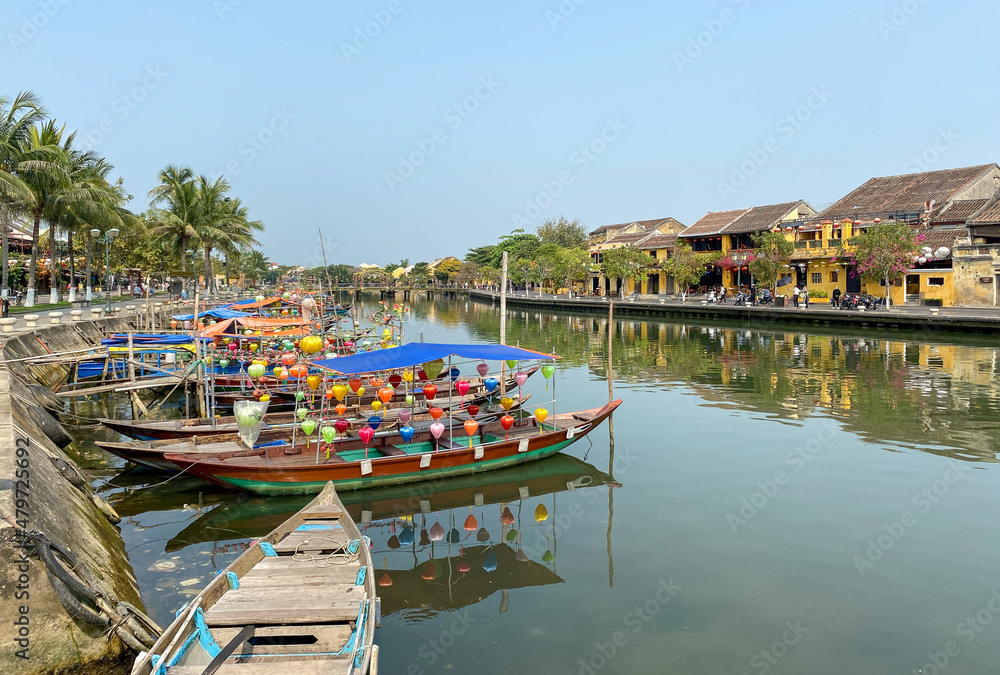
300,600
158,430
388,460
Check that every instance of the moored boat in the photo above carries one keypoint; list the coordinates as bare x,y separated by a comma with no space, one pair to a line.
301,599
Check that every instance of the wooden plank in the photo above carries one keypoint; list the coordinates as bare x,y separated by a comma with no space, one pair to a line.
334,574
288,564
323,511
333,539
310,666
318,639
287,605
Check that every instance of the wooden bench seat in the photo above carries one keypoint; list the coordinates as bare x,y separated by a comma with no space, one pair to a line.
286,605
325,665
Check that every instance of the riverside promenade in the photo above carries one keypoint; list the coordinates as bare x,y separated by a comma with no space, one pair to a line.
985,320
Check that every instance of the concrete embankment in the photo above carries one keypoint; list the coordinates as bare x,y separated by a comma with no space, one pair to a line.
922,319
51,518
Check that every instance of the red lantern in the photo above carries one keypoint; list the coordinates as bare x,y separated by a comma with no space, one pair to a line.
421,375
436,413
506,422
473,409
430,391
395,379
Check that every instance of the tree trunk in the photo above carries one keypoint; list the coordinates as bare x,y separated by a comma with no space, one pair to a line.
30,299
888,299
53,265
209,277
5,244
72,267
90,275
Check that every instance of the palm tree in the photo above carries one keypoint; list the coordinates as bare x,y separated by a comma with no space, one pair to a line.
174,205
17,118
45,177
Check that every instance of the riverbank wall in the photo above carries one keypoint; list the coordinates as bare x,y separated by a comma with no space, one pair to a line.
46,502
924,319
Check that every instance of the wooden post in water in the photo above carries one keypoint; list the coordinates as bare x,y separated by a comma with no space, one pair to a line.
131,377
611,443
503,320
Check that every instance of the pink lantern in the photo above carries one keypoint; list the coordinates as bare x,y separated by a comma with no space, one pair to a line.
463,387
482,369
520,378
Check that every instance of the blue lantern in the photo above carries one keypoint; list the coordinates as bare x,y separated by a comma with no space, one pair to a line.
490,383
374,421
406,433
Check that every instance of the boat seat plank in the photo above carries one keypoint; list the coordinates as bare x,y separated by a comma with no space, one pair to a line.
286,605
315,639
318,540
288,564
323,511
313,666
392,451
334,574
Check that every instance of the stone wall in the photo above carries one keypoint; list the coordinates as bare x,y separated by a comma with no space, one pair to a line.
972,264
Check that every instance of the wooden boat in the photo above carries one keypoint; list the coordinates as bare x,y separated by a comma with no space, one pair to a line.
232,389
157,430
387,460
300,600
210,443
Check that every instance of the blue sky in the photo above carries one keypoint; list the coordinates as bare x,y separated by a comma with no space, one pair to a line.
508,113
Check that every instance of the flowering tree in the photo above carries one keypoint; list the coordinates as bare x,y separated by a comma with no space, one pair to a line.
687,267
771,252
885,252
626,262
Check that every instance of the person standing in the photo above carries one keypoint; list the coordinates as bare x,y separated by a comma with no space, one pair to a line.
805,296
795,296
836,297
753,295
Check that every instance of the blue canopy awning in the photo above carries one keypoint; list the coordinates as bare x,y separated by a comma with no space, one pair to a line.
218,313
416,353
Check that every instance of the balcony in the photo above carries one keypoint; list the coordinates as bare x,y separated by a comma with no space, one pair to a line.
800,244
815,243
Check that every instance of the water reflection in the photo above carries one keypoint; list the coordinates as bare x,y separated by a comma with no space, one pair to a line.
889,387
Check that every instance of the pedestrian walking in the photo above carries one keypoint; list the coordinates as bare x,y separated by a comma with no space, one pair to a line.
836,297
795,296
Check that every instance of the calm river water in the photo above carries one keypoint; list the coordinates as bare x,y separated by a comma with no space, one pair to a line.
773,501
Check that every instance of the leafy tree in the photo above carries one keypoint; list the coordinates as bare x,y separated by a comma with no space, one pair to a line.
468,273
446,270
17,118
884,253
572,265
421,271
563,233
625,262
771,252
546,260
482,255
687,267
518,244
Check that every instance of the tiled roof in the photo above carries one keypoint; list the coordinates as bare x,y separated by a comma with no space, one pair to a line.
989,215
959,211
712,223
903,194
759,218
629,238
654,241
644,224
936,238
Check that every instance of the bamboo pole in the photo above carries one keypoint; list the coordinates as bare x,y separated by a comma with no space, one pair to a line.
503,320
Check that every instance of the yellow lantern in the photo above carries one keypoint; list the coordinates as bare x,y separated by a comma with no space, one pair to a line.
376,405
311,344
360,392
253,346
339,392
407,376
313,382
540,415
507,402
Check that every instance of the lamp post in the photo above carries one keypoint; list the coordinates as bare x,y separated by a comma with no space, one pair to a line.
194,279
107,240
739,258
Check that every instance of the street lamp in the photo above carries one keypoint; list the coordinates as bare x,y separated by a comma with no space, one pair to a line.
107,240
739,258
194,279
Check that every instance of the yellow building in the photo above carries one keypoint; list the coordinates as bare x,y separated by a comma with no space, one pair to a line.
608,237
731,232
937,204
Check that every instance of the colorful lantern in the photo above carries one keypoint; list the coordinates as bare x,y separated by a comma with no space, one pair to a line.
430,391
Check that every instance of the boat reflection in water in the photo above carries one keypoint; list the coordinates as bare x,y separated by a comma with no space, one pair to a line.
438,546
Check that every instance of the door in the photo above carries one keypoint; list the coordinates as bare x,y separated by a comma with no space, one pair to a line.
912,288
853,280
653,284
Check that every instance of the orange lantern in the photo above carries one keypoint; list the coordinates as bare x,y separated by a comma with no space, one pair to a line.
436,413
341,409
385,393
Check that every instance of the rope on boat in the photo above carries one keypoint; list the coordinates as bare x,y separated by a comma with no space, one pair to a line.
345,552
